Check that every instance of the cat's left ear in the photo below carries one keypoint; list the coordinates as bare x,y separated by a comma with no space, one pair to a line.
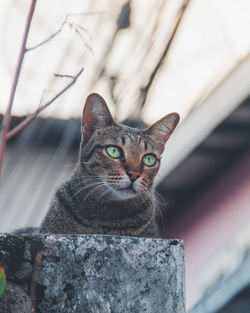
162,129
96,115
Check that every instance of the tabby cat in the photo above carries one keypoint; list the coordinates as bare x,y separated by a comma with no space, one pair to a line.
111,190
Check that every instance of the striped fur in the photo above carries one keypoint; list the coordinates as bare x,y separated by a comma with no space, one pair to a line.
108,195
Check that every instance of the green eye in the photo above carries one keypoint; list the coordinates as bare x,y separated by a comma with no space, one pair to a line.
149,159
114,152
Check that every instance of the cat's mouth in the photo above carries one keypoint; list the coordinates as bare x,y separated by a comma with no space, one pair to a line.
129,188
126,192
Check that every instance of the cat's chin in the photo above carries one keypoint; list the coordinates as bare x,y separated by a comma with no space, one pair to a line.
123,194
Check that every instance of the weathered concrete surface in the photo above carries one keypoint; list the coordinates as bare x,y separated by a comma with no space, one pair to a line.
92,274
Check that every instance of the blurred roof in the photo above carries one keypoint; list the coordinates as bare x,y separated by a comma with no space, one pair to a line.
120,44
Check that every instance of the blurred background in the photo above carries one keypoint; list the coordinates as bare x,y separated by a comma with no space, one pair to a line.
147,59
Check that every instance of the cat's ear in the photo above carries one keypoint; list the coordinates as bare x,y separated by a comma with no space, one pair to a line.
96,115
162,129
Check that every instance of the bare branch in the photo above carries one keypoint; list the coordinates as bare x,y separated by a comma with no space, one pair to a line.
33,115
5,134
49,38
77,28
7,116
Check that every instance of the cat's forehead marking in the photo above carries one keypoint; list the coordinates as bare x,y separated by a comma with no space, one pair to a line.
142,142
136,139
130,133
129,138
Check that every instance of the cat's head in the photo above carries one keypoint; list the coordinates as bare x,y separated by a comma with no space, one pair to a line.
120,162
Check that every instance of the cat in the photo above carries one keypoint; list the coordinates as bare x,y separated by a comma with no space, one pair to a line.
111,189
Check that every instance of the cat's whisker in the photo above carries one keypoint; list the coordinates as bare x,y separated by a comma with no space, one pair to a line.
151,199
158,205
96,189
88,183
104,193
160,198
85,187
83,178
84,182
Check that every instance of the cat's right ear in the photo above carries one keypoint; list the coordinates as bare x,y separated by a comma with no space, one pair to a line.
96,115
161,130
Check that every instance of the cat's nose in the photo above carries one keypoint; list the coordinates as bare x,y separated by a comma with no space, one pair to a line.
133,174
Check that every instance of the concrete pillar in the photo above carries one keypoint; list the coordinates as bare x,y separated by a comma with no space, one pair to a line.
92,274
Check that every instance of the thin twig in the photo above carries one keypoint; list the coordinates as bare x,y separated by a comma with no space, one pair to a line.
33,115
49,38
7,117
77,28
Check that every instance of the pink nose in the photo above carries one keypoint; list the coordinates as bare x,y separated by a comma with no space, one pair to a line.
133,174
